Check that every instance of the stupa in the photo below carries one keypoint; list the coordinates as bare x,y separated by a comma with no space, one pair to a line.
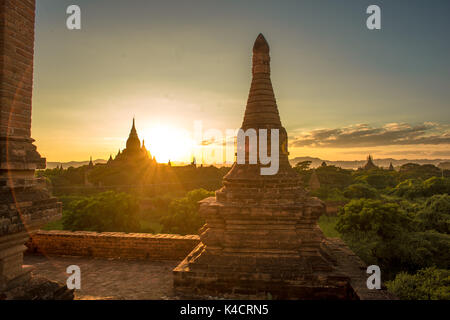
261,234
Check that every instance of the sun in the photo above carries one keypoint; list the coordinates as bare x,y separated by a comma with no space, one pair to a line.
168,143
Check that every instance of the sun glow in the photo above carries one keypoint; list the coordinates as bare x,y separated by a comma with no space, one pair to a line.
168,143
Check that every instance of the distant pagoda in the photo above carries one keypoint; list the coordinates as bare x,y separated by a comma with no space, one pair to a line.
391,167
369,164
134,151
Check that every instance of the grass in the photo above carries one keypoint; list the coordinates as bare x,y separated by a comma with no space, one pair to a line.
54,225
328,226
150,226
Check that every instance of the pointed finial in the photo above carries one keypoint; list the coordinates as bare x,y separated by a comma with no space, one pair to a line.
261,57
261,45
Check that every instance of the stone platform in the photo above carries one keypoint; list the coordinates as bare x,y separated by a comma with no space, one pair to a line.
262,250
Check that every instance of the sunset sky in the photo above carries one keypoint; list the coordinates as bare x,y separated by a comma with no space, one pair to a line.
342,90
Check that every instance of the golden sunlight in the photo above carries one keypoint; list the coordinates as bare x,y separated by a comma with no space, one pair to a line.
168,143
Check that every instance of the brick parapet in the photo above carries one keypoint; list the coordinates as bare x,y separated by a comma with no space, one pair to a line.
116,245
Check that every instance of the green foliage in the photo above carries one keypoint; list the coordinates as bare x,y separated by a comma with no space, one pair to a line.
435,214
303,165
378,178
108,211
58,177
334,177
329,194
416,171
54,225
384,219
386,234
139,178
436,185
183,217
328,226
426,284
413,188
359,191
409,188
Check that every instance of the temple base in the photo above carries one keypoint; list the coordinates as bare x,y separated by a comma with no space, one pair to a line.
252,279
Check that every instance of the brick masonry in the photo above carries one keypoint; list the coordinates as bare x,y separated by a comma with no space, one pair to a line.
25,203
171,247
115,245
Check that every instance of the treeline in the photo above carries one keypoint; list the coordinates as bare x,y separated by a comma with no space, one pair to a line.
141,179
411,181
122,212
398,220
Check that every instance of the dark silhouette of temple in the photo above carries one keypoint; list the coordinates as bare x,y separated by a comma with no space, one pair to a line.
369,164
134,151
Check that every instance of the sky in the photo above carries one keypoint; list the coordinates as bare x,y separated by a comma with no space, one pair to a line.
342,90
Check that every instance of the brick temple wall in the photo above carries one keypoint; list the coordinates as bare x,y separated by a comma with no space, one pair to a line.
113,244
17,48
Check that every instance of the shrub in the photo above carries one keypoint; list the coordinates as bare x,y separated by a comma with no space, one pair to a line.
386,235
435,185
183,217
360,190
378,179
435,214
329,194
410,188
426,284
107,211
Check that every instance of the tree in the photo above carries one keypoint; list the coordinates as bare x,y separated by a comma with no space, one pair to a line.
435,214
409,188
377,178
107,211
414,188
334,177
386,235
417,171
426,284
436,185
183,217
303,165
360,190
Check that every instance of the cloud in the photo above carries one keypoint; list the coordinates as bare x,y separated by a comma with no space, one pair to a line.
364,135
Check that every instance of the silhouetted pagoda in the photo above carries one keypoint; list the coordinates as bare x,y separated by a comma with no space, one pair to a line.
369,164
133,151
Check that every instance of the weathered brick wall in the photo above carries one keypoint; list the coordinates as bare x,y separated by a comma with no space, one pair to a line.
113,244
25,203
17,48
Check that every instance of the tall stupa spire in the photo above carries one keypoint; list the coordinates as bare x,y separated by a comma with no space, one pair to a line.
262,113
261,110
